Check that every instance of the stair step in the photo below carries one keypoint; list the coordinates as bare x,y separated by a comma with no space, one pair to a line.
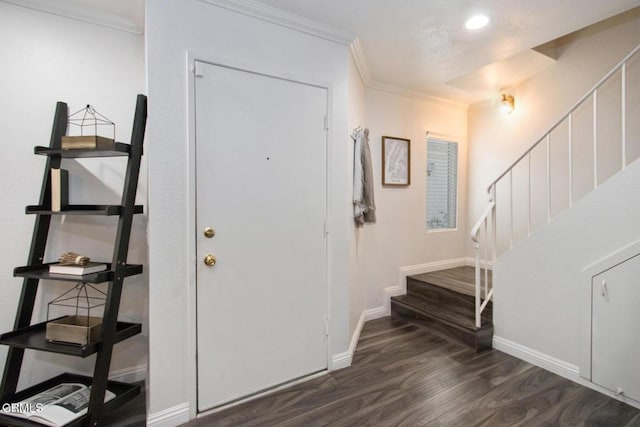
458,279
442,296
443,319
458,317
445,301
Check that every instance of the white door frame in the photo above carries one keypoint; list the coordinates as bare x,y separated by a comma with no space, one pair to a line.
194,56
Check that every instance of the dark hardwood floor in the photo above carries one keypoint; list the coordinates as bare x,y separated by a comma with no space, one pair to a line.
131,414
406,375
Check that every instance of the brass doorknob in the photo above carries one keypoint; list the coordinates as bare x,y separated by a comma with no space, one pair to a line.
210,260
209,232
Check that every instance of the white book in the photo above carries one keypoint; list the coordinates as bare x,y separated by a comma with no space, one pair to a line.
77,270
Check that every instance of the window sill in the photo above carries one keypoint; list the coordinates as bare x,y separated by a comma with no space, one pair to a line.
441,230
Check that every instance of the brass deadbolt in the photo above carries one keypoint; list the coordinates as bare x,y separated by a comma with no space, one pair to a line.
210,260
209,232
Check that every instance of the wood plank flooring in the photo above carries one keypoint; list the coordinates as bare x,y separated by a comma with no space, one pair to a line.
406,375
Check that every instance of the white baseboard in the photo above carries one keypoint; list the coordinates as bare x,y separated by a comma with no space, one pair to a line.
557,366
129,375
389,292
170,417
340,360
374,313
534,357
343,360
356,335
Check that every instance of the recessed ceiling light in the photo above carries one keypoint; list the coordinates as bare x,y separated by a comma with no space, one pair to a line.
476,22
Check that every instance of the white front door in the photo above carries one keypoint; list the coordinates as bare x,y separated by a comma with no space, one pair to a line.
261,174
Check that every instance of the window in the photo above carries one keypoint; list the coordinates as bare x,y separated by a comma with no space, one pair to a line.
442,184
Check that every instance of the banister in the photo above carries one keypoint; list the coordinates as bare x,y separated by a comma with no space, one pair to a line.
476,228
564,117
488,217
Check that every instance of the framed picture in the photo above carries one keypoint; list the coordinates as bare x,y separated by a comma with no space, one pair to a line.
396,161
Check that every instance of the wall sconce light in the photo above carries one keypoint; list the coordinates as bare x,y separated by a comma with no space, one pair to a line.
507,104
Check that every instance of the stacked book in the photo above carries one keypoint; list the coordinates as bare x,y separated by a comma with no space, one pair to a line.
87,142
78,270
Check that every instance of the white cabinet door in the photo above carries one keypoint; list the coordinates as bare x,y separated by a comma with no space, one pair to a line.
615,362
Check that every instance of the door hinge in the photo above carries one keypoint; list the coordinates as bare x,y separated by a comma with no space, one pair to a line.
326,227
326,327
326,122
198,69
604,291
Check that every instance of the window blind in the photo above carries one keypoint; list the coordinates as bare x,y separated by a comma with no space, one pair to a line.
442,184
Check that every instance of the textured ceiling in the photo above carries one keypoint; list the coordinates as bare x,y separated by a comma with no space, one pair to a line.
422,45
415,46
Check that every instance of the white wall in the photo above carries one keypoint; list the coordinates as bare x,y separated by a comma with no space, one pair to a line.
45,59
497,140
538,285
356,250
399,238
172,29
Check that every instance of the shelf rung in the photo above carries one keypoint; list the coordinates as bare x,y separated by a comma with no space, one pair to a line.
119,150
34,337
107,210
41,272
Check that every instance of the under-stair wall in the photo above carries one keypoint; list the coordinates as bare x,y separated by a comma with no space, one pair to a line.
538,306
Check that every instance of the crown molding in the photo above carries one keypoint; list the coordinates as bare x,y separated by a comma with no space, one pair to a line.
357,53
399,90
284,19
84,14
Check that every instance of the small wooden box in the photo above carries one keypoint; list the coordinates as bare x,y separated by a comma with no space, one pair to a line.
79,330
86,142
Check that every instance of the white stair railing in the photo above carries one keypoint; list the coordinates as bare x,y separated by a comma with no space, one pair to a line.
484,233
484,238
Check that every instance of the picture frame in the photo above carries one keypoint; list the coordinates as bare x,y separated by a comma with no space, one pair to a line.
396,161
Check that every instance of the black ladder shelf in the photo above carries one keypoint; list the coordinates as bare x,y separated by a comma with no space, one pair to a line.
28,336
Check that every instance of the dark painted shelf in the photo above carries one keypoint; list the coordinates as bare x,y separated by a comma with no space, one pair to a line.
33,338
119,150
107,210
41,272
124,392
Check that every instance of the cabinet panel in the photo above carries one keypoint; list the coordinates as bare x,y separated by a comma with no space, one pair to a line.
615,352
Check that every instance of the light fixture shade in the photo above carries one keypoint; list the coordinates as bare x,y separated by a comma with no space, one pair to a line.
507,104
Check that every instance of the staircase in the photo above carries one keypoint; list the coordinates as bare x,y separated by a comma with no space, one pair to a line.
459,301
444,301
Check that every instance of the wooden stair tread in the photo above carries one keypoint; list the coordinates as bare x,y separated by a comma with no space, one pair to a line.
458,279
443,296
